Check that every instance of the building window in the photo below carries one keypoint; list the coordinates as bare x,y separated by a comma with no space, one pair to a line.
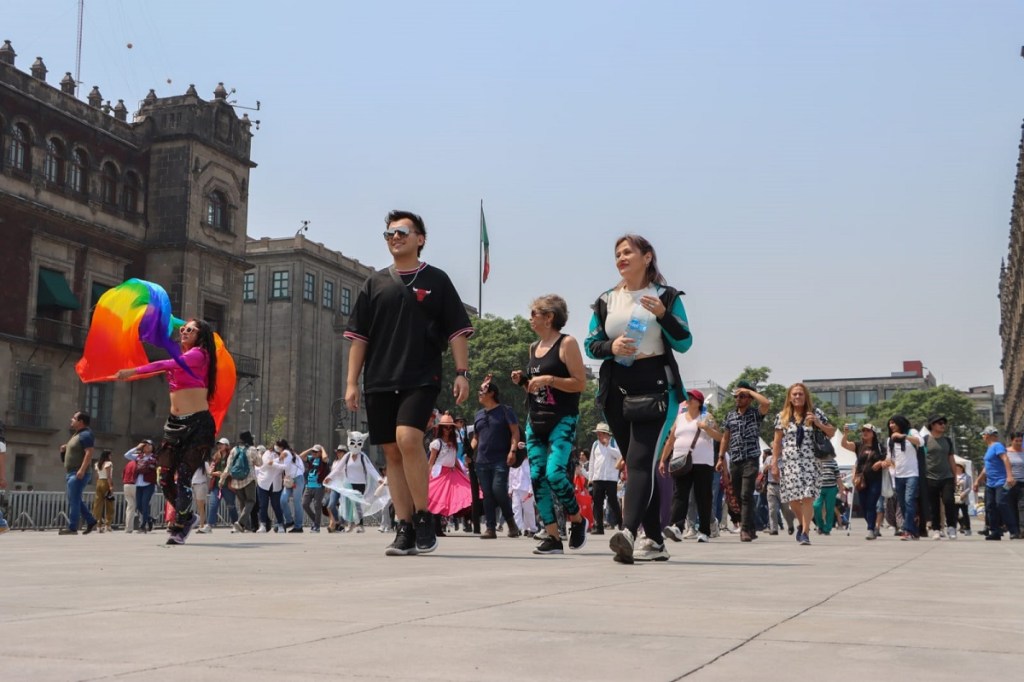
53,295
130,196
861,398
99,403
108,184
827,397
21,466
21,143
279,284
98,289
79,174
346,301
31,400
213,313
890,393
308,287
53,167
217,210
329,295
249,286
856,417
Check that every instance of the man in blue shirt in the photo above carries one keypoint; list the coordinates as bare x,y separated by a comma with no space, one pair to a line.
77,462
495,440
998,480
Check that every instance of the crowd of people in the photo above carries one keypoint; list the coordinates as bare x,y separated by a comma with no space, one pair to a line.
660,467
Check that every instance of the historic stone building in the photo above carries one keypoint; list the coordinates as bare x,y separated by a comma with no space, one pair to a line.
296,301
1011,305
89,198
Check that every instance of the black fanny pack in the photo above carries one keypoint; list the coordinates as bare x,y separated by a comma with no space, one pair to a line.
644,407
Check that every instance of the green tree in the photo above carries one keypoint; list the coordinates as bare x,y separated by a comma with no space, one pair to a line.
497,347
917,406
276,430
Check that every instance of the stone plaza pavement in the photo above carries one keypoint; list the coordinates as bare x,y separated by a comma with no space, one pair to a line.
307,607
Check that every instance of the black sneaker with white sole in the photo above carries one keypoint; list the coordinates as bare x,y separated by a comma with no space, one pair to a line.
405,541
578,533
426,539
549,545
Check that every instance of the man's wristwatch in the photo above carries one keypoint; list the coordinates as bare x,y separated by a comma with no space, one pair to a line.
462,373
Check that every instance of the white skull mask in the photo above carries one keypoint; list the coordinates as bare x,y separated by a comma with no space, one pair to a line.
355,441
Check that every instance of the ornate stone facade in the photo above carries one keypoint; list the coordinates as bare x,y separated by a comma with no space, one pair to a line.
1011,306
87,200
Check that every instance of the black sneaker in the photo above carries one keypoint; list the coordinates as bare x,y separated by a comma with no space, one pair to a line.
187,529
405,541
89,528
578,534
426,539
549,545
67,531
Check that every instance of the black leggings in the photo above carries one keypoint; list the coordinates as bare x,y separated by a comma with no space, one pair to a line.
638,441
187,443
699,480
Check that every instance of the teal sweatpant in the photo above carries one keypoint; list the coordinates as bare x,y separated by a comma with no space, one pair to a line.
827,499
549,468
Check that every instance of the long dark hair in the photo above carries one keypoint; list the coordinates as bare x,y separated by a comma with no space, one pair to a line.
450,438
204,340
903,427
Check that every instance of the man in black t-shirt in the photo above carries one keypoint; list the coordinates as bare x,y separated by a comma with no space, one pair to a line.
404,318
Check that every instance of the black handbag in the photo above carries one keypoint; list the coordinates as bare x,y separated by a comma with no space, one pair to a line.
680,466
644,407
823,448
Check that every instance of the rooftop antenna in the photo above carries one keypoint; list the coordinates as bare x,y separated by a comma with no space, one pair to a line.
78,48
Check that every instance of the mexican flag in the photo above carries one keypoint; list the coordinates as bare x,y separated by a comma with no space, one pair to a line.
486,244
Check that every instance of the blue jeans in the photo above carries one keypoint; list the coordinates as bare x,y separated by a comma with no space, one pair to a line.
291,502
144,498
906,493
77,509
494,486
998,512
869,501
216,495
268,499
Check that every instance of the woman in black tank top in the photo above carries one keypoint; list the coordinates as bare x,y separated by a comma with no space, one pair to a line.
554,379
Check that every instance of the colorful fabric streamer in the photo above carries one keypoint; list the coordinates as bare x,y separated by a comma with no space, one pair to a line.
138,311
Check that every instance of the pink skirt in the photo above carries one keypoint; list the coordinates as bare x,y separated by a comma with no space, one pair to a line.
449,492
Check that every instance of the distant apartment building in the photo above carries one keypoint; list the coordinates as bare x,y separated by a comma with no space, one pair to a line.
296,300
988,404
89,198
852,396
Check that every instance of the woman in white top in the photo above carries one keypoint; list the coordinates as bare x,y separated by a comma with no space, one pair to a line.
270,483
103,504
902,445
693,431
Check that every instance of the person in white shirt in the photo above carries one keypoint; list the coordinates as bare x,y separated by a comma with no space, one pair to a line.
520,488
605,470
294,487
902,446
270,483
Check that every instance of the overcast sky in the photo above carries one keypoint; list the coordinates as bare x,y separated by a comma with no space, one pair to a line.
830,183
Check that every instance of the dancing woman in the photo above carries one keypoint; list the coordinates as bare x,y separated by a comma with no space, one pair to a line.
190,429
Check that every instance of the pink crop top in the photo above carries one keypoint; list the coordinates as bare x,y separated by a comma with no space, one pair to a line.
197,364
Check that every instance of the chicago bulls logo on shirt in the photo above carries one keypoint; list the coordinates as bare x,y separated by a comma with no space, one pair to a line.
420,294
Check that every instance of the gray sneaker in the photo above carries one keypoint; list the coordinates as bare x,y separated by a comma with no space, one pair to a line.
672,533
622,544
648,550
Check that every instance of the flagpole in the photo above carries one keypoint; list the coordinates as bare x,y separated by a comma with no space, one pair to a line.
480,272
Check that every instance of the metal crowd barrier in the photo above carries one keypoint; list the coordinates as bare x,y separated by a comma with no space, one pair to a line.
47,510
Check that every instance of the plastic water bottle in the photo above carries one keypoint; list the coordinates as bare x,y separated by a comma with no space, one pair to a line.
635,329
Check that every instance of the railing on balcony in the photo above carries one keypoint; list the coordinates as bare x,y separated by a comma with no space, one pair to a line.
246,365
59,332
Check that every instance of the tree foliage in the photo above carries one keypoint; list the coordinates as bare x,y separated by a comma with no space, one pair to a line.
276,430
497,347
917,406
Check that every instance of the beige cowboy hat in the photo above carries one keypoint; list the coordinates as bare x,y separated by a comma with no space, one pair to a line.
602,427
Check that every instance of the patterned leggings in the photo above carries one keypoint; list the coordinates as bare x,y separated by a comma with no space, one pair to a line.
549,468
187,443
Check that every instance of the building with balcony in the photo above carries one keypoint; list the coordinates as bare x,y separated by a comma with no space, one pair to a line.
1011,305
89,198
851,396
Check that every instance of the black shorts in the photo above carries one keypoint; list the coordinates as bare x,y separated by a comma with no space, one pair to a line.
388,410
